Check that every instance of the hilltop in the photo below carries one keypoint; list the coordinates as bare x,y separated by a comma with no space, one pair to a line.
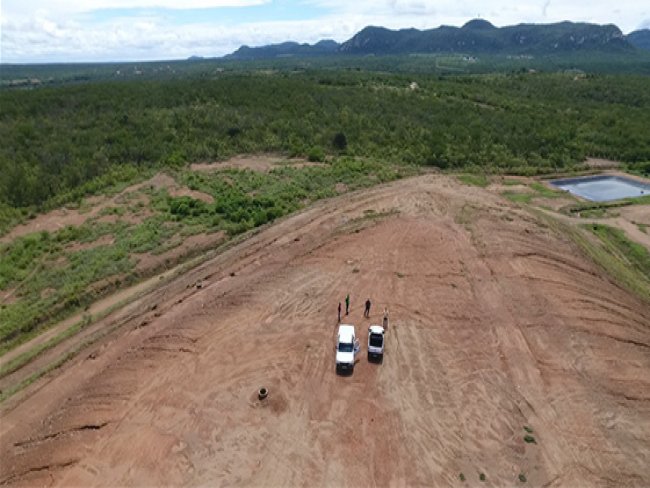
477,36
505,343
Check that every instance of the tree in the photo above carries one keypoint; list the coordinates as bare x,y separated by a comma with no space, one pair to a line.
340,141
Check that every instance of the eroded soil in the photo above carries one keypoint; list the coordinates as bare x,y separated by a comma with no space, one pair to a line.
497,324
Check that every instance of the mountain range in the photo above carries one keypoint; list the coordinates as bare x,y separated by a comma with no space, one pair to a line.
475,37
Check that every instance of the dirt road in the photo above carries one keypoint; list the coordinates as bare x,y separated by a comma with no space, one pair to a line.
497,324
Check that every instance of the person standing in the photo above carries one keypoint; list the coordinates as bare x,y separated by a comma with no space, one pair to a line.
366,312
347,304
339,312
385,322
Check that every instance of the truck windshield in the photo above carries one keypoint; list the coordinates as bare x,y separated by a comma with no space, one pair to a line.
376,340
346,347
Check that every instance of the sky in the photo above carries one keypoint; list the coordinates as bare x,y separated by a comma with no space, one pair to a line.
51,31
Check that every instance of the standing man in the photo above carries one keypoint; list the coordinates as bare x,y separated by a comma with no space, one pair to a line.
339,312
366,312
347,304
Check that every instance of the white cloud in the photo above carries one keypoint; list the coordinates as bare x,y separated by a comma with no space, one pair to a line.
25,7
46,35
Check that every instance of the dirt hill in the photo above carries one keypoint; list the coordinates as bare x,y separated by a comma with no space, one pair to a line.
508,354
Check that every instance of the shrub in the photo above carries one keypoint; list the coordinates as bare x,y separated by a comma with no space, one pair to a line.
316,155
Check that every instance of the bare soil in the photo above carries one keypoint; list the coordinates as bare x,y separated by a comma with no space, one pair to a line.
190,245
60,218
258,162
496,323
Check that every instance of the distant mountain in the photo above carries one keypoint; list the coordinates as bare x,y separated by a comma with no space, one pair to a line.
639,39
475,37
285,49
479,36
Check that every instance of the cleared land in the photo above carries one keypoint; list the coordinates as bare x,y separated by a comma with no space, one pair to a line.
508,354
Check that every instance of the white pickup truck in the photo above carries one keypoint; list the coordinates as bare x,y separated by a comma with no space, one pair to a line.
347,347
375,343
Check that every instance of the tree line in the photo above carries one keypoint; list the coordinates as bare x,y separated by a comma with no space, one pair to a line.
57,139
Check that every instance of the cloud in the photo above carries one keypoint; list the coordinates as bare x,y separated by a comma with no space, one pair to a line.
41,33
24,7
41,40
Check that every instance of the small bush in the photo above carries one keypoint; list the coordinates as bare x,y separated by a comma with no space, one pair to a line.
522,477
529,439
316,155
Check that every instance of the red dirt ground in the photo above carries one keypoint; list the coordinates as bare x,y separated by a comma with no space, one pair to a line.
496,323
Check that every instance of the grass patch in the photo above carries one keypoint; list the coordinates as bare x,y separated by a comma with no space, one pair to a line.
581,207
546,192
539,190
518,197
474,180
596,213
631,253
643,227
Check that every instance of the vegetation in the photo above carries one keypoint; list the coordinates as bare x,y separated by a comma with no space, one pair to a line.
518,197
474,180
66,141
635,255
586,209
529,439
52,274
608,253
539,190
522,477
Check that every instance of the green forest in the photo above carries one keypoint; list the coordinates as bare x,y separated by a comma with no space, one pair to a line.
60,141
